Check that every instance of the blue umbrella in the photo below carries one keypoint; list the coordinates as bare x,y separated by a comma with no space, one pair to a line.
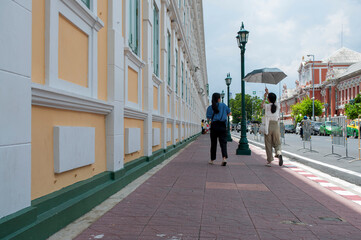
265,75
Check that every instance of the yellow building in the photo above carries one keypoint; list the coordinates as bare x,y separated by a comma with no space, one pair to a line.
93,93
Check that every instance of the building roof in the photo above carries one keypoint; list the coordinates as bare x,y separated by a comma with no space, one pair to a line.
343,55
351,69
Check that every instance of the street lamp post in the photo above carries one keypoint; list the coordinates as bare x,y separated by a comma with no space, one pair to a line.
313,85
326,107
222,95
243,147
228,82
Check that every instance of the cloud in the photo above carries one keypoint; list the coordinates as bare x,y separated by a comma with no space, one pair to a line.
281,32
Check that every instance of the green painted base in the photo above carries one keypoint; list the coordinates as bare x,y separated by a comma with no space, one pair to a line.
52,212
229,139
243,151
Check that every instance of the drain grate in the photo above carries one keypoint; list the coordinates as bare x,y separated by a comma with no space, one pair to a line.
293,222
332,219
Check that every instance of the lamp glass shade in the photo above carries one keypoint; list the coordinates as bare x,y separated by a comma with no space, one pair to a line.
242,36
238,41
228,81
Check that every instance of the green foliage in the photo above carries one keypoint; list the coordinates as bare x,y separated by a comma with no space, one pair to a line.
297,112
251,103
304,108
353,110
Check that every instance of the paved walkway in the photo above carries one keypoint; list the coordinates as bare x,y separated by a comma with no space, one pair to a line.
190,199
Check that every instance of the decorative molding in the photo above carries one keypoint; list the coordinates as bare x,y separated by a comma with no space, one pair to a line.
157,81
157,118
166,3
54,98
134,113
84,19
169,89
84,13
133,57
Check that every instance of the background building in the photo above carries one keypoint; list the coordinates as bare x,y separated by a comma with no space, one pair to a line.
336,81
93,93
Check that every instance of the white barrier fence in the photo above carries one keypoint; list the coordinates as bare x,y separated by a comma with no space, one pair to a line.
338,128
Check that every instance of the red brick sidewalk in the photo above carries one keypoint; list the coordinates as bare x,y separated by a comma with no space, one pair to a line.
190,199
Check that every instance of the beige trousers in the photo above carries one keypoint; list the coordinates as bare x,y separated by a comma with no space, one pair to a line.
272,140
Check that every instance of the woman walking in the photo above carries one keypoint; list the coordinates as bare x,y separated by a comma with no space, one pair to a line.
217,113
272,128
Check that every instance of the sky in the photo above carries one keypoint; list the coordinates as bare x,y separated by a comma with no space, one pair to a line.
280,33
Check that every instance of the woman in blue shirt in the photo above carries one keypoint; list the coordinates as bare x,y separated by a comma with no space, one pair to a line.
217,113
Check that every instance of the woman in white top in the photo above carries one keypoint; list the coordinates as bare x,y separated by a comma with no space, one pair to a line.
272,128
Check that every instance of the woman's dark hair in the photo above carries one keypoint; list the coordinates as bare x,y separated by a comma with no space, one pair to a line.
215,98
272,98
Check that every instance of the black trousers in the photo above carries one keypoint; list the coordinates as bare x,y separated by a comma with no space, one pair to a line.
218,130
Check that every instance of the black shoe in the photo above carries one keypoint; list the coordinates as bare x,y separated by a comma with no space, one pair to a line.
280,160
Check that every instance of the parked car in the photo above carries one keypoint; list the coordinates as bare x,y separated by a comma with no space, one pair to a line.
233,126
327,128
316,127
353,128
290,128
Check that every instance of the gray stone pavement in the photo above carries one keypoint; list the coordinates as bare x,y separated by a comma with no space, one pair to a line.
333,165
191,199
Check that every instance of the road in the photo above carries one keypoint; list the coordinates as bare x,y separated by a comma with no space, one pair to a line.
334,165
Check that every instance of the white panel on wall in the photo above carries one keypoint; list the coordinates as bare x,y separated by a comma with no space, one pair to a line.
156,136
176,133
74,147
15,38
169,134
15,178
132,140
15,109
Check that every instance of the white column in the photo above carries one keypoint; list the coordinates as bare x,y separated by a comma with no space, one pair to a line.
173,80
148,73
15,106
115,120
164,67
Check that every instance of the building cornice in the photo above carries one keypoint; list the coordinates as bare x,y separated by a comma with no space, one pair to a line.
54,98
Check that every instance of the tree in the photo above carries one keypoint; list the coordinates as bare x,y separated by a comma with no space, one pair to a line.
353,110
252,104
296,112
304,108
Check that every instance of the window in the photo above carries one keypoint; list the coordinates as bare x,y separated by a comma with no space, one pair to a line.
176,71
182,79
168,39
133,37
156,41
86,2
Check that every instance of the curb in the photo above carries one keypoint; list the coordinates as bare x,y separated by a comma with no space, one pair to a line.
349,176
